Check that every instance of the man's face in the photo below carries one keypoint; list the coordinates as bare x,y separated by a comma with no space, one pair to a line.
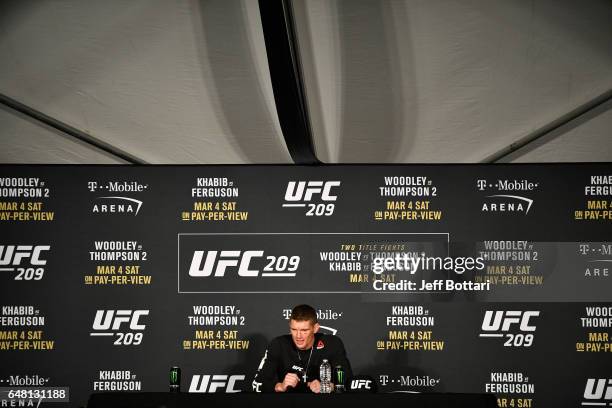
303,333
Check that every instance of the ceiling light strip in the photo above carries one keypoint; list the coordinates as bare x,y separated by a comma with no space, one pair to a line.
287,80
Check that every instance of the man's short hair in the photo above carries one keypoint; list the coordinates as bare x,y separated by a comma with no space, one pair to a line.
302,313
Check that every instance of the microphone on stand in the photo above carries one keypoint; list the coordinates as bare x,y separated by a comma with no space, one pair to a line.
297,369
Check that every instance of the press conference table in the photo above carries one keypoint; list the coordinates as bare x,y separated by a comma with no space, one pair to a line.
252,400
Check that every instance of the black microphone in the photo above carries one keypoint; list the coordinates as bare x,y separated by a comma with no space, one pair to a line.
297,369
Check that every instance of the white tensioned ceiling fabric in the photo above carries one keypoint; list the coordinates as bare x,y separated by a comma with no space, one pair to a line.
166,81
454,81
387,81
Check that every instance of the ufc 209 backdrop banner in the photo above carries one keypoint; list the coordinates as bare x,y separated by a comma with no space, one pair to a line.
438,278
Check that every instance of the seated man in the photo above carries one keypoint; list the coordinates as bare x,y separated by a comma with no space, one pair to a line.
291,362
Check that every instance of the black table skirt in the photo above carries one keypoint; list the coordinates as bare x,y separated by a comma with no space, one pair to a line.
253,400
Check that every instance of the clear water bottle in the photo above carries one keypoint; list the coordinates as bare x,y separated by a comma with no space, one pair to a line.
325,376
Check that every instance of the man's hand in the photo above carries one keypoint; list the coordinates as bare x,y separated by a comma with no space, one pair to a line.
290,380
315,386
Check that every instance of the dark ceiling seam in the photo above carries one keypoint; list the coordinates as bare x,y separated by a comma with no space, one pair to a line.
287,80
551,127
69,130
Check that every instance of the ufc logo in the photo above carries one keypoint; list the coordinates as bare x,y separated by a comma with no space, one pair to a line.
361,384
14,254
306,190
598,389
204,383
503,320
256,386
226,259
111,319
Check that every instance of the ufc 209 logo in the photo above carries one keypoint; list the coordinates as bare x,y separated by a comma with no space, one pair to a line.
125,325
215,383
26,260
598,392
217,263
516,326
302,193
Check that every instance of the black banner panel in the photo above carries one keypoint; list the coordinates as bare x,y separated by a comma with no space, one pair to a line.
438,278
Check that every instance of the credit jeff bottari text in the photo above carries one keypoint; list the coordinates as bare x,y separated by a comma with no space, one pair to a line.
437,285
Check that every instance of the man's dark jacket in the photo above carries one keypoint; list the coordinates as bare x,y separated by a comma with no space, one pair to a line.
283,357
